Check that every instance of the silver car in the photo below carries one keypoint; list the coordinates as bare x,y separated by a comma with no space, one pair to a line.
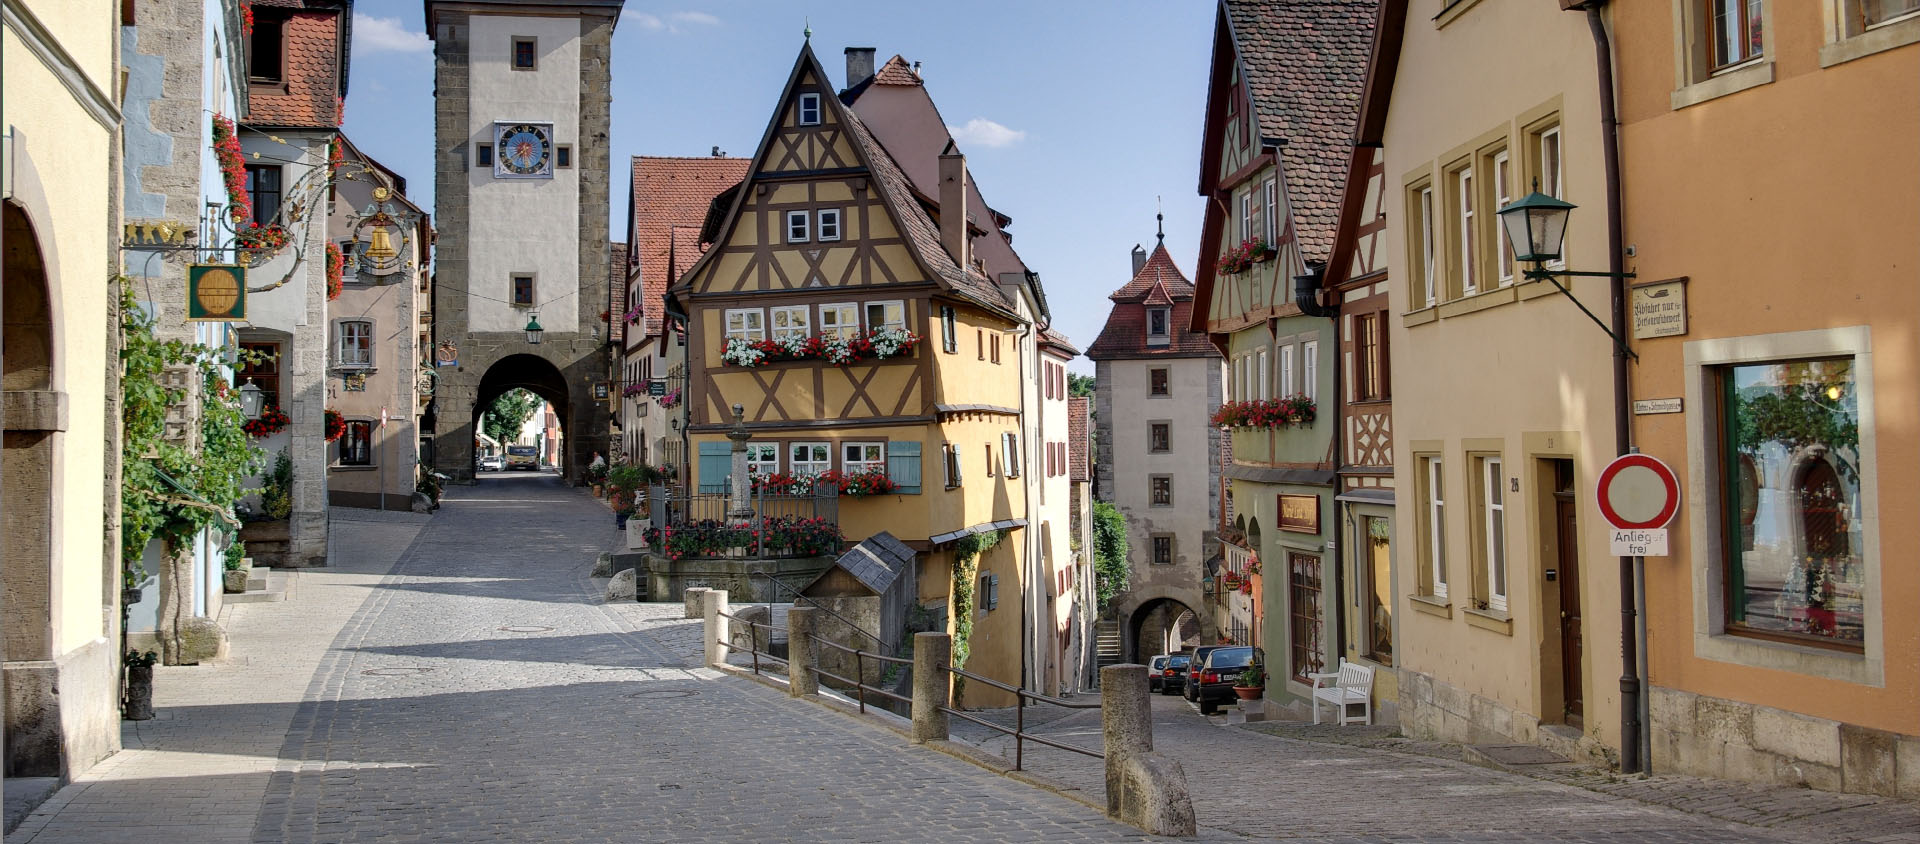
495,463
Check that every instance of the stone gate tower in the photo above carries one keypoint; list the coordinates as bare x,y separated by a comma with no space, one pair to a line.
521,108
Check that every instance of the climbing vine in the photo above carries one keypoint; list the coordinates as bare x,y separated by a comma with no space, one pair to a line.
966,575
173,487
1110,568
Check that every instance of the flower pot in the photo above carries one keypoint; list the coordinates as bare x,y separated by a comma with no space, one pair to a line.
620,520
599,491
1248,692
139,692
235,581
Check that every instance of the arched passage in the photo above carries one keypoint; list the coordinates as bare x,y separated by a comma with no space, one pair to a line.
535,375
1162,625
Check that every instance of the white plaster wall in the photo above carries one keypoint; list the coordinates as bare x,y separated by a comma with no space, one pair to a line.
284,308
524,225
1186,408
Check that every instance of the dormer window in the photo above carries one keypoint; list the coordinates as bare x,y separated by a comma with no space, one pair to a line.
266,50
809,109
1157,334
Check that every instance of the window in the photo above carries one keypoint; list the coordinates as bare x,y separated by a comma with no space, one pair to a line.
1434,577
1159,437
830,224
1159,381
1157,334
523,289
994,347
263,184
1247,213
1877,12
1790,478
523,53
980,344
809,109
1263,385
762,458
1160,490
1550,168
1303,596
1010,454
1273,211
790,321
1493,527
1162,550
797,226
1370,381
483,155
1463,209
262,367
886,315
1310,369
840,320
949,330
563,155
1427,291
356,445
353,347
1735,28
950,455
989,593
1376,573
808,459
266,59
1502,197
1286,387
857,458
746,324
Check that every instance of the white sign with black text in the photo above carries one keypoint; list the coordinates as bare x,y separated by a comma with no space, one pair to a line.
1642,542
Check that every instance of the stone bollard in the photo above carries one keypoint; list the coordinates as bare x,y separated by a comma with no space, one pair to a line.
800,657
932,685
713,603
1144,788
695,603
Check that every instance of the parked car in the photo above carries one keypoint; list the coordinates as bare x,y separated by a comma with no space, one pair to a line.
1220,671
1190,678
523,457
1166,672
493,463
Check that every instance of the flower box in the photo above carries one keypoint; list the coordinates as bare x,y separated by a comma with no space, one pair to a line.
1293,410
835,349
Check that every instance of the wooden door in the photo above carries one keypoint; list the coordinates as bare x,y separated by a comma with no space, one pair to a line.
1571,646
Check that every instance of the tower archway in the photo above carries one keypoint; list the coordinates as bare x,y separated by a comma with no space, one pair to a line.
33,411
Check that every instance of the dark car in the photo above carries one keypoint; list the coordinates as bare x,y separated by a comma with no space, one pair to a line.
1189,679
1166,672
1219,672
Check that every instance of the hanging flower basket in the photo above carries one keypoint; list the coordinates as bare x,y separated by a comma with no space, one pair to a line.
632,316
272,420
1240,258
336,425
671,399
336,270
233,162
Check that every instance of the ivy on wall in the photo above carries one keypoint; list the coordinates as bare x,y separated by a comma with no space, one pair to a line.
966,576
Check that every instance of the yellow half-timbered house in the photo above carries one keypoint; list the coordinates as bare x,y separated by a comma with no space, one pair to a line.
842,311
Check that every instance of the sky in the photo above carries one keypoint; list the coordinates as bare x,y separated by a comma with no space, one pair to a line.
1078,118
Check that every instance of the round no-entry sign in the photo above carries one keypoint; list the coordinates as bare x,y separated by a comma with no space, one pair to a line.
1638,492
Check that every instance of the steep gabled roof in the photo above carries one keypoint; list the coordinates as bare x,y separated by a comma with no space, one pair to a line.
896,72
1158,270
1159,283
1057,342
668,193
1383,65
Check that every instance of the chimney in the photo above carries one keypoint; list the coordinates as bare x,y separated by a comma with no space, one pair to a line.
1139,259
953,207
916,70
859,65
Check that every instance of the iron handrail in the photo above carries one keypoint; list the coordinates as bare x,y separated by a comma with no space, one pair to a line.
816,605
753,639
1019,731
860,668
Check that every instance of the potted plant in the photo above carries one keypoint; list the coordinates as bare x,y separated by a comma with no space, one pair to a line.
140,684
623,507
1251,684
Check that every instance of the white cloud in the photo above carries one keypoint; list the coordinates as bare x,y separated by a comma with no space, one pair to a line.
385,35
674,22
986,133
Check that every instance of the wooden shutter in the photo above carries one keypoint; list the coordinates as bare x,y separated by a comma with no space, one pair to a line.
903,466
714,466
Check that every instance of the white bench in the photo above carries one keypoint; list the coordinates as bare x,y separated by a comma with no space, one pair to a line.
1351,685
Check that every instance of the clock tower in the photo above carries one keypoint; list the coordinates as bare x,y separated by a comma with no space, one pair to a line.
521,109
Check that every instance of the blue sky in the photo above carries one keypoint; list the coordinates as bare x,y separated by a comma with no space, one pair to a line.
1074,116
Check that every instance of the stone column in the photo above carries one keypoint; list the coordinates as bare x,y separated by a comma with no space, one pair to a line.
1144,788
932,685
715,603
800,657
697,601
740,507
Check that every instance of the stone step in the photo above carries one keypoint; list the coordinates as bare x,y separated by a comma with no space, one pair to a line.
272,589
1518,758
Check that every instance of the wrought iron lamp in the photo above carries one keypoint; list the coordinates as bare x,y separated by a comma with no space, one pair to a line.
253,400
1536,227
534,330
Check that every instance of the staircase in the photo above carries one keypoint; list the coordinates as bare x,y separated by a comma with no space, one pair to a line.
1107,642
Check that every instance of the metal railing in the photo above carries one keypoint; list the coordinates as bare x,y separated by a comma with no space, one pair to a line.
684,507
1019,731
860,671
753,639
797,598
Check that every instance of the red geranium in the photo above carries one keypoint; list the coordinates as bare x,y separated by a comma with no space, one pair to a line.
1293,410
336,425
272,420
336,269
233,167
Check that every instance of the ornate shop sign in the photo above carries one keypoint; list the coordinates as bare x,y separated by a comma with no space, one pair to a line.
216,293
1299,513
1660,309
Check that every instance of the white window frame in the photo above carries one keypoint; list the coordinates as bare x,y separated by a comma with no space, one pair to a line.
757,462
828,219
1436,504
1010,454
811,466
362,357
799,227
1310,370
1464,208
840,319
1165,337
1558,175
861,463
797,319
1246,213
887,307
1271,223
809,103
1502,196
1265,390
752,324
1494,531
1285,387
1428,267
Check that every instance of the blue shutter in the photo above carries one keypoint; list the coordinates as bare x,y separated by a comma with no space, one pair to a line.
715,463
903,466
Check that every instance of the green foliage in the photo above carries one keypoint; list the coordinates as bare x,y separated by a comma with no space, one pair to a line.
140,659
1254,677
966,575
277,495
1110,568
1080,385
1797,416
206,475
508,414
236,554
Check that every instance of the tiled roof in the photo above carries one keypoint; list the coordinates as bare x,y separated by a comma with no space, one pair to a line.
670,193
1159,282
687,248
313,83
1077,443
1050,337
1305,62
896,72
616,292
876,562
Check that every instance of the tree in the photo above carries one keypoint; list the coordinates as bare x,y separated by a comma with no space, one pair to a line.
1110,567
508,414
1080,386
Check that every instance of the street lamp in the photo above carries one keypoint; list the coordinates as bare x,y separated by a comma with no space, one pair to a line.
253,400
534,330
1536,227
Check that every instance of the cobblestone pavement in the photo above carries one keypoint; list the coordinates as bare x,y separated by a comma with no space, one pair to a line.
472,689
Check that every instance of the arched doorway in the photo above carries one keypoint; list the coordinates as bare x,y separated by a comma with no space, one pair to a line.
33,416
535,375
1162,625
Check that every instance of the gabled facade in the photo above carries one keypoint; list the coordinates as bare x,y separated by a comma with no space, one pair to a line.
825,242
1282,95
1157,385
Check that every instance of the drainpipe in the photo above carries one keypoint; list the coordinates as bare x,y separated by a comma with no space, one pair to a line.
1632,630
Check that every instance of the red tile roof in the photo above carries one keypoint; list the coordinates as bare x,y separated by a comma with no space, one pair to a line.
669,193
617,292
896,72
1305,62
686,248
1078,466
1159,282
314,86
1050,338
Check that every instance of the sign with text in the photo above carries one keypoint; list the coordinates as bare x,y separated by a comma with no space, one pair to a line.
1660,309
656,388
1299,513
1649,407
1645,542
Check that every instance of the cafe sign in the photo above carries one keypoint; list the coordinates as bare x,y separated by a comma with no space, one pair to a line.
1660,309
1299,513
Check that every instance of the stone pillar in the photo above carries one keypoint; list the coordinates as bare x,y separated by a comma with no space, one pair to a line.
932,685
714,602
800,677
697,601
740,505
1144,788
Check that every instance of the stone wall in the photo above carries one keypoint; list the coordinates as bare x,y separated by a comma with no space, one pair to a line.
1714,737
740,577
1435,710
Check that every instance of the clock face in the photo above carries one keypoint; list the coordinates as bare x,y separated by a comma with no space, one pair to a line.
524,149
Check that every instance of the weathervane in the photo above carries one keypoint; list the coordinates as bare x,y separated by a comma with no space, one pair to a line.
808,32
1159,220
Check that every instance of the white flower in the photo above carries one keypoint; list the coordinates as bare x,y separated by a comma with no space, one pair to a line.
742,352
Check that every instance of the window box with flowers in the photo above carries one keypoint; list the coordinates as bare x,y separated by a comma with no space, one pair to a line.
1240,258
272,420
670,399
632,316
635,389
1294,410
880,344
